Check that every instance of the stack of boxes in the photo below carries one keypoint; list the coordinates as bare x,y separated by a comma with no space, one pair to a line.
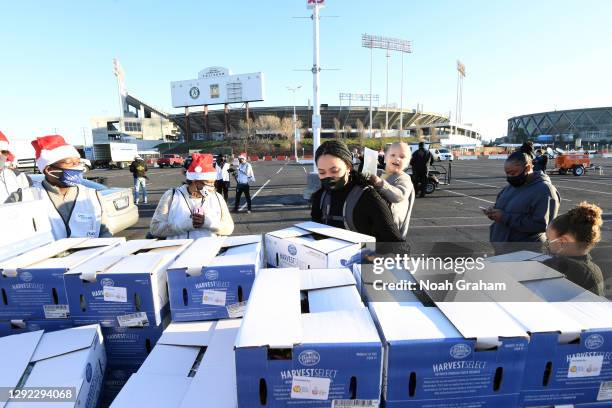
32,291
125,291
192,365
62,368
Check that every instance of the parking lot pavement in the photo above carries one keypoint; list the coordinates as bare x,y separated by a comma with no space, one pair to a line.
449,214
276,194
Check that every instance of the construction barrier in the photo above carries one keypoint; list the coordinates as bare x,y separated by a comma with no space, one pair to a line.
281,157
293,158
254,158
468,157
268,158
607,155
498,156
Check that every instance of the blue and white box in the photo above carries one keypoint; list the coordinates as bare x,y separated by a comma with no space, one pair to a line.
72,361
130,346
569,359
213,278
310,245
469,355
125,287
191,366
32,284
307,340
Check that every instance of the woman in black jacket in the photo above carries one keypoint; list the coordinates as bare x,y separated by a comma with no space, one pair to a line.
571,237
345,200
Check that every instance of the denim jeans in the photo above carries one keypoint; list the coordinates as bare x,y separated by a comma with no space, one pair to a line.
140,183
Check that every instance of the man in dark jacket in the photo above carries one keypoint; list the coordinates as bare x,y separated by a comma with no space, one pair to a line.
420,162
540,162
139,171
524,208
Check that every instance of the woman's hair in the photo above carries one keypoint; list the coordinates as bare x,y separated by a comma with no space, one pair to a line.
335,148
519,158
583,222
527,148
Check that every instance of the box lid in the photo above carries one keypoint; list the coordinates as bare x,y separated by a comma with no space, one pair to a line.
199,254
325,278
328,245
401,321
525,271
338,233
273,311
337,298
341,326
290,232
157,390
517,256
16,352
10,267
188,334
65,341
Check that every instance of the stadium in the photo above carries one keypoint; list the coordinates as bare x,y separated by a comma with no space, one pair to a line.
590,125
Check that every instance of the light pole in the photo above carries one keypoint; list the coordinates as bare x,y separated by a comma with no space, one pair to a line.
316,70
388,44
459,105
295,131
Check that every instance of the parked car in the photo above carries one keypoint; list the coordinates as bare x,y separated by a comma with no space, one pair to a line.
170,160
442,155
117,204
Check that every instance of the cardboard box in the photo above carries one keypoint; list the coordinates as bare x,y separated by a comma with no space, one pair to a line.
125,287
130,346
192,365
28,226
307,340
310,245
468,355
32,284
213,278
9,328
569,358
115,379
519,256
67,358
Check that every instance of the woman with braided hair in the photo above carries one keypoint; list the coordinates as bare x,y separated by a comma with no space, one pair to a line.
571,236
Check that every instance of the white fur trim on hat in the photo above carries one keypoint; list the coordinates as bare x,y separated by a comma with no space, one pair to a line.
48,157
4,145
201,176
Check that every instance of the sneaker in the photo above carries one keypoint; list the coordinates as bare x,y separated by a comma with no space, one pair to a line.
248,211
145,201
137,202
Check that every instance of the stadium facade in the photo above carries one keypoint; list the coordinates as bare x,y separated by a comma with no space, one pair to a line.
591,125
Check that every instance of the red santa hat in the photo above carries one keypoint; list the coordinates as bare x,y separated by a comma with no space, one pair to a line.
51,149
4,143
243,156
201,167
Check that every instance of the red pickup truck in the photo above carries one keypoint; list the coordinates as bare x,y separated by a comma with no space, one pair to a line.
170,160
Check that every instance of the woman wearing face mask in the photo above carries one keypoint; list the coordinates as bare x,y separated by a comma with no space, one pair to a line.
74,210
345,200
571,237
524,208
195,209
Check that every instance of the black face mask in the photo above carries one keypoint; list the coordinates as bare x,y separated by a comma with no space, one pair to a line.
517,181
331,184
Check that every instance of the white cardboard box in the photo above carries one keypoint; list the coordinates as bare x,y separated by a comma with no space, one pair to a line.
307,340
310,245
68,358
125,286
32,284
192,365
26,226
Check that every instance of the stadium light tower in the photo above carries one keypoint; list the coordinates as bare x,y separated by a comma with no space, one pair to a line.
459,102
388,44
295,131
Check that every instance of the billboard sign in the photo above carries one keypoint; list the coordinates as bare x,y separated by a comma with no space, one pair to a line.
217,85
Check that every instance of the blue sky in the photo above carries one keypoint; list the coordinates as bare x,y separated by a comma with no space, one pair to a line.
521,56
